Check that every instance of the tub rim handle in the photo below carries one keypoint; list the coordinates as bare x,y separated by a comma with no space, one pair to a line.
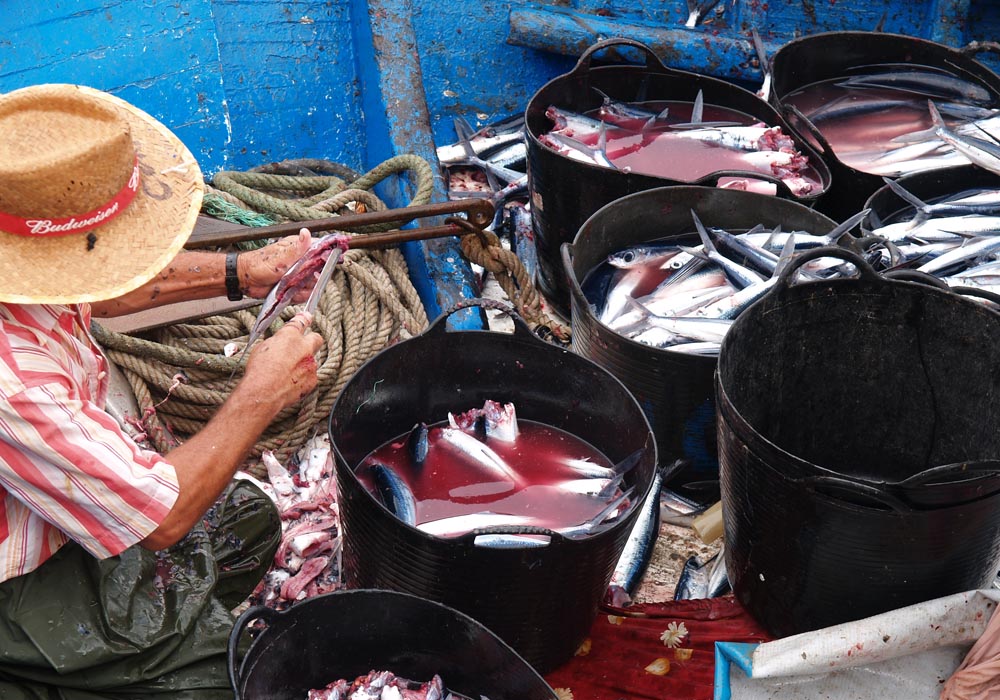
865,271
857,488
907,275
983,468
521,328
825,149
976,292
653,61
258,612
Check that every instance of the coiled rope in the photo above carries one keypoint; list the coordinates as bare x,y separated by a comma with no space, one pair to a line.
180,374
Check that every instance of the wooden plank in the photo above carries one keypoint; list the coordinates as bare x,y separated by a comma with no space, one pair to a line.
174,313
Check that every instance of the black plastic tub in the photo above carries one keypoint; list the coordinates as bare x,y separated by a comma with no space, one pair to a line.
827,55
542,601
806,554
833,397
565,192
884,204
676,390
349,633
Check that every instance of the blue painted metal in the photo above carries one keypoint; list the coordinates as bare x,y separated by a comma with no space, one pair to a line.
397,122
730,655
719,45
468,68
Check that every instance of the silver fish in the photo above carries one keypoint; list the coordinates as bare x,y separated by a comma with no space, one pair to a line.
700,580
638,550
737,274
985,154
295,278
920,82
467,446
642,255
503,541
457,525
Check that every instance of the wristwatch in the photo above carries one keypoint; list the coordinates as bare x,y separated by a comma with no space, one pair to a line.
233,291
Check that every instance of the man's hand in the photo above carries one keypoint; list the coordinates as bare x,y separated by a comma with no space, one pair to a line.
259,270
282,367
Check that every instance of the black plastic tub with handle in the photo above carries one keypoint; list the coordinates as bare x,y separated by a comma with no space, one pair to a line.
675,389
349,633
565,192
540,600
818,57
856,424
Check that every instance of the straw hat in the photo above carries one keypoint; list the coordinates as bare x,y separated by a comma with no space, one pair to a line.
96,196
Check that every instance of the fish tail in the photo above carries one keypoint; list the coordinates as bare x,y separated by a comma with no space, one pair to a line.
911,199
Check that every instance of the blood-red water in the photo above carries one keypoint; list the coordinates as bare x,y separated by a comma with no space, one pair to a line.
448,484
661,152
864,139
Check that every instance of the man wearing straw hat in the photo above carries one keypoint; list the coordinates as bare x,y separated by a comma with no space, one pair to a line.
119,566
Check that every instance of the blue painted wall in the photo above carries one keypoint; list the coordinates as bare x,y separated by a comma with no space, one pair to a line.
250,81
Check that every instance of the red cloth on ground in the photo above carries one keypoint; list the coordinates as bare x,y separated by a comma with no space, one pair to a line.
623,646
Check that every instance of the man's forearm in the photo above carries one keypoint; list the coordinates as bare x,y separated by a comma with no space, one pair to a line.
191,275
205,464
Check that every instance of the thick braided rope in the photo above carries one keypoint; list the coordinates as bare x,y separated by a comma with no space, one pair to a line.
513,278
180,373
251,188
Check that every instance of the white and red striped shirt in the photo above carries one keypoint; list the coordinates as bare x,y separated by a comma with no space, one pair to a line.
67,470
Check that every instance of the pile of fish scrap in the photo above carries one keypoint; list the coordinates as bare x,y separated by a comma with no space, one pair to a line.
491,163
307,562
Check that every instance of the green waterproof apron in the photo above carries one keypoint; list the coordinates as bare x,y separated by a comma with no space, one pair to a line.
142,624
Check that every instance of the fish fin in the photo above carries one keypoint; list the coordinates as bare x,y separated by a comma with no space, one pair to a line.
706,240
769,241
629,463
785,256
765,64
463,129
919,136
602,145
936,119
833,236
604,96
651,122
612,506
693,14
611,488
698,108
667,472
696,252
472,158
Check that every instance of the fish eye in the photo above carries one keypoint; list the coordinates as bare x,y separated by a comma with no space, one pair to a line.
628,256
